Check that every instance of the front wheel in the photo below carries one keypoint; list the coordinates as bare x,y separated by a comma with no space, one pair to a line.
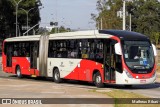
98,80
56,76
18,72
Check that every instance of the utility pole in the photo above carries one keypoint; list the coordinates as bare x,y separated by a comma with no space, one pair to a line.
27,12
124,15
16,15
130,22
101,24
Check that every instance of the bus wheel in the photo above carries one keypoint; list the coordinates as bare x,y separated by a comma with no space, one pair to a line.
56,76
98,80
18,72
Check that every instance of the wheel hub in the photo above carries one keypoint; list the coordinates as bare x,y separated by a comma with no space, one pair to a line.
18,72
98,79
56,76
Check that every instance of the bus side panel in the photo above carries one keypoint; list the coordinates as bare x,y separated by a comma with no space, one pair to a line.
3,59
66,66
4,64
85,70
24,63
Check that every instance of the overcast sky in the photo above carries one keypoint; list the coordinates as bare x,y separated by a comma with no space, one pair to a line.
75,14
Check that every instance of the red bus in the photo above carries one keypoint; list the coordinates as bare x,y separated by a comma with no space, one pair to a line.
98,56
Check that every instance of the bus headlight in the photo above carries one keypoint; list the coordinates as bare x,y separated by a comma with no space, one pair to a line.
128,74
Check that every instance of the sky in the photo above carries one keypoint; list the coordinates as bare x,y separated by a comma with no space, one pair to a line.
74,14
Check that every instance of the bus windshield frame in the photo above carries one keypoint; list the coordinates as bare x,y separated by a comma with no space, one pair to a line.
138,56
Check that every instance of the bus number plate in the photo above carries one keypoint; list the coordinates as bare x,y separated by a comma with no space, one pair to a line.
142,81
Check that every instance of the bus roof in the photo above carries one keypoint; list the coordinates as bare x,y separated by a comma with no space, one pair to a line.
125,35
66,35
122,34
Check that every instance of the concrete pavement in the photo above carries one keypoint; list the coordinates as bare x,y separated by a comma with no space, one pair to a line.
12,87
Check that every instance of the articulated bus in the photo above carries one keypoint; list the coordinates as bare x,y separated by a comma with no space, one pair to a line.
98,56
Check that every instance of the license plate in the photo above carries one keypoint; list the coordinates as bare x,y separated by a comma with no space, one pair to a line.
142,81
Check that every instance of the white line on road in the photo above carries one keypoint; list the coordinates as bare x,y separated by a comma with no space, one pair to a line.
14,85
60,92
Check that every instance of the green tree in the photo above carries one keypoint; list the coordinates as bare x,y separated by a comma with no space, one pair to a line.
7,15
155,37
6,19
61,29
145,16
108,13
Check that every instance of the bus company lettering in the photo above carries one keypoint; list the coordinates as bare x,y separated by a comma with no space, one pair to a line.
62,65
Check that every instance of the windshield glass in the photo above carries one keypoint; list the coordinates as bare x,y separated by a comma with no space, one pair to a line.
138,55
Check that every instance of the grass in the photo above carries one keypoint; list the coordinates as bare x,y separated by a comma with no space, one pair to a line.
124,94
158,61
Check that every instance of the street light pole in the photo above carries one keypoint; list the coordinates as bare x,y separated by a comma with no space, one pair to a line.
124,15
27,12
130,22
16,19
16,15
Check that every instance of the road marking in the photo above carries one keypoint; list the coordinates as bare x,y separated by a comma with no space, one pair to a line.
103,90
60,92
14,85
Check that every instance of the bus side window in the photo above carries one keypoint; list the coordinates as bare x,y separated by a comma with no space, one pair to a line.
5,47
119,63
92,46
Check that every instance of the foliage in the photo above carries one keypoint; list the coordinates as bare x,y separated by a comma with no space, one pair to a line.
8,16
145,16
61,29
108,13
155,37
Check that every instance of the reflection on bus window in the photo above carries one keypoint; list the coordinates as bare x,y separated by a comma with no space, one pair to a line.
83,48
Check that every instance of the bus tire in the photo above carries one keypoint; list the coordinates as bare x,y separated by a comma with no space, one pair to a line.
56,76
98,80
18,72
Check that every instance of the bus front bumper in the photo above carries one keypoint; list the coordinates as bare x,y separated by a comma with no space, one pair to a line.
122,78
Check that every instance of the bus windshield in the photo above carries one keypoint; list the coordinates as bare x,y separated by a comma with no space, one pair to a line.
138,55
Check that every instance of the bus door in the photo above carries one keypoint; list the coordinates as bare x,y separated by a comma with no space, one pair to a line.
33,55
109,61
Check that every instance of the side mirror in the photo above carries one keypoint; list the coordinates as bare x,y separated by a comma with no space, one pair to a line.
154,50
117,48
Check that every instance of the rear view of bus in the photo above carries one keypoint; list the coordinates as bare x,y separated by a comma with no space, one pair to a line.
137,57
